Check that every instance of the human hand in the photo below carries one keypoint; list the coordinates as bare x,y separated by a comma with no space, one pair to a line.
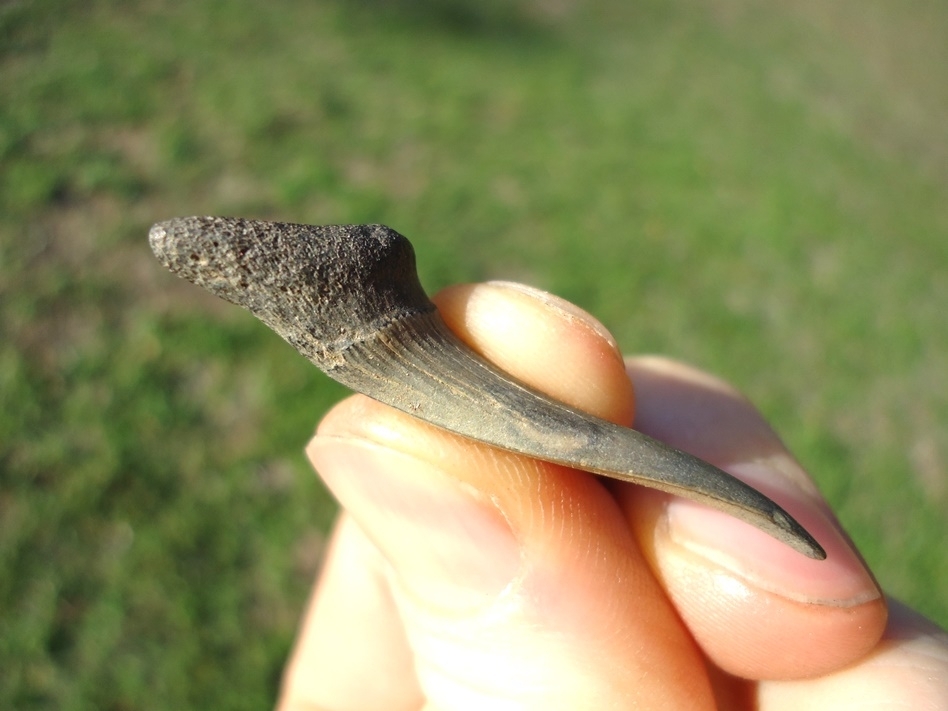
464,577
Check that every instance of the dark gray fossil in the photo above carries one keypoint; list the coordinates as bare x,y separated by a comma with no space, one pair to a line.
348,298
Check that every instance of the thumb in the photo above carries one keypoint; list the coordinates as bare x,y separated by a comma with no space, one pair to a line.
518,582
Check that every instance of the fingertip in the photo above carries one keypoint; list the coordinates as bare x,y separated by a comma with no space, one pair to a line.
545,341
758,608
907,669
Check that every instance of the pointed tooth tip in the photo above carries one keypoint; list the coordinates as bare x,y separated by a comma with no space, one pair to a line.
798,537
805,543
813,550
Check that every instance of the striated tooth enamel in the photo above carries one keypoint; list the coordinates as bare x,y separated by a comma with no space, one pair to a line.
348,298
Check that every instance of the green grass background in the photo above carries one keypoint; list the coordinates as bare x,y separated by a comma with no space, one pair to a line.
758,188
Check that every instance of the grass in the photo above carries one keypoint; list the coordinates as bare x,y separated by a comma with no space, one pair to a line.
757,189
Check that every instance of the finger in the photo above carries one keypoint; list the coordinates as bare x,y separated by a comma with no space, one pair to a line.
545,341
518,581
757,608
351,602
908,669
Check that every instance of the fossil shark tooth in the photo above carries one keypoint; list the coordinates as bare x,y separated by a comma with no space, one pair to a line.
348,298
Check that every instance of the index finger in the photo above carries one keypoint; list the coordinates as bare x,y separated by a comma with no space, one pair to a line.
757,609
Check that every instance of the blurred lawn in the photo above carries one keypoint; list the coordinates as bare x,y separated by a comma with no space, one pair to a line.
758,188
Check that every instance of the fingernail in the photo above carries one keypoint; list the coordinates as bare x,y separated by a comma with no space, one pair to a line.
566,309
448,544
841,580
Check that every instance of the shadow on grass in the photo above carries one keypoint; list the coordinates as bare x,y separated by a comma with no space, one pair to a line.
482,19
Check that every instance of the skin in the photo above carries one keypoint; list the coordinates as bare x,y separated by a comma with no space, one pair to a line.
460,576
